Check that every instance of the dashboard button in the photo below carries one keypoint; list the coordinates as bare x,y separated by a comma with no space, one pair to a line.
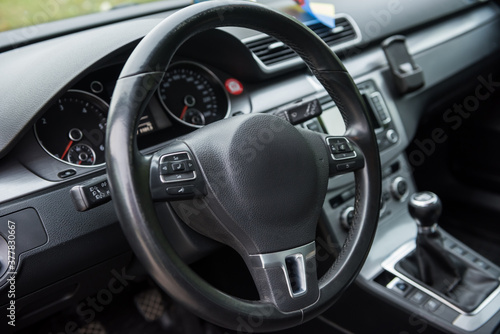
399,188
66,173
392,136
432,305
347,217
418,297
459,250
480,263
399,286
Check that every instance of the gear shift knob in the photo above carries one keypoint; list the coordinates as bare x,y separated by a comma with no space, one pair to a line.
425,207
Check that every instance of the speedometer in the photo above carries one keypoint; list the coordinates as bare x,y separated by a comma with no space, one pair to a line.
73,129
193,95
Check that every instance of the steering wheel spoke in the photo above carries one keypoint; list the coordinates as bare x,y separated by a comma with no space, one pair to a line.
344,155
174,174
287,278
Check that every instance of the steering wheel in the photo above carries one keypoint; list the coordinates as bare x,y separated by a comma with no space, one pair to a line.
253,182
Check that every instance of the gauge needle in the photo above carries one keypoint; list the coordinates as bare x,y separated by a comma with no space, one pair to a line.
183,113
67,149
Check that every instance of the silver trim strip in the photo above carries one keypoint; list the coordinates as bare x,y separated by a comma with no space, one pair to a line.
278,259
394,189
416,199
348,143
467,321
162,177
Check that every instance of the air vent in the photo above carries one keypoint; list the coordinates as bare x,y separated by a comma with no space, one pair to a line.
343,32
271,51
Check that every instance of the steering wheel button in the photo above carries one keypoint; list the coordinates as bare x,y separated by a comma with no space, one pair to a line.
343,147
346,166
178,177
175,157
337,141
177,166
189,165
181,190
346,155
164,169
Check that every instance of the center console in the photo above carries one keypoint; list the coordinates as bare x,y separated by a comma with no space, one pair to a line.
383,274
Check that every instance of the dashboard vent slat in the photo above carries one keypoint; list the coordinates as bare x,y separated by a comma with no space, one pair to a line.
270,51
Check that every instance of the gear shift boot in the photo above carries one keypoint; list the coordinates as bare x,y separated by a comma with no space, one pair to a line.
434,267
467,290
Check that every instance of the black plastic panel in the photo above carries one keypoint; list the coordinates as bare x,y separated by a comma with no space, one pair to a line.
76,240
24,231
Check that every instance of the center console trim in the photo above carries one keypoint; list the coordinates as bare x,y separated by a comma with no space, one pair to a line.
466,321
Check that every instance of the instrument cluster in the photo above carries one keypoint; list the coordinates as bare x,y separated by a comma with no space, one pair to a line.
190,96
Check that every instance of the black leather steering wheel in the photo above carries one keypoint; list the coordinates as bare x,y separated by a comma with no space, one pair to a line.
262,200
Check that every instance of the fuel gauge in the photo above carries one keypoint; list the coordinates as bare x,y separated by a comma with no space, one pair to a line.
82,155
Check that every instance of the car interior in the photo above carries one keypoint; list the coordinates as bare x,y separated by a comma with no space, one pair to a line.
236,166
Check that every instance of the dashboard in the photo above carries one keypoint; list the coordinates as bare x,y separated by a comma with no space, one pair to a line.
191,95
57,95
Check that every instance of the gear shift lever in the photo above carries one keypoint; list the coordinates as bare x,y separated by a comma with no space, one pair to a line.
432,264
425,207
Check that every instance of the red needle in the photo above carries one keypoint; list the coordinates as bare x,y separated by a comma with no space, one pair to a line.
67,149
183,113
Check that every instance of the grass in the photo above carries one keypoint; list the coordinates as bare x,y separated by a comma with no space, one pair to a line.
21,13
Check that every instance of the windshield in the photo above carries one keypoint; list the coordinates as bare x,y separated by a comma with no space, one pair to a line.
22,13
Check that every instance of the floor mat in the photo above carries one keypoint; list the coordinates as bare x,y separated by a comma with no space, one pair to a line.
150,304
95,327
143,309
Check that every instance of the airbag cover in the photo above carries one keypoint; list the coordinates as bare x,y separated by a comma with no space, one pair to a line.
263,176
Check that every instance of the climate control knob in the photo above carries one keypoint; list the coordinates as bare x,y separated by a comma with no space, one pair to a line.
392,136
400,188
347,217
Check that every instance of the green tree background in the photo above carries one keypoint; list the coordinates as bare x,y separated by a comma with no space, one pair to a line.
20,13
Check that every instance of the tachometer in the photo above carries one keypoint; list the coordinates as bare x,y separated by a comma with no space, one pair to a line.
193,95
73,129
